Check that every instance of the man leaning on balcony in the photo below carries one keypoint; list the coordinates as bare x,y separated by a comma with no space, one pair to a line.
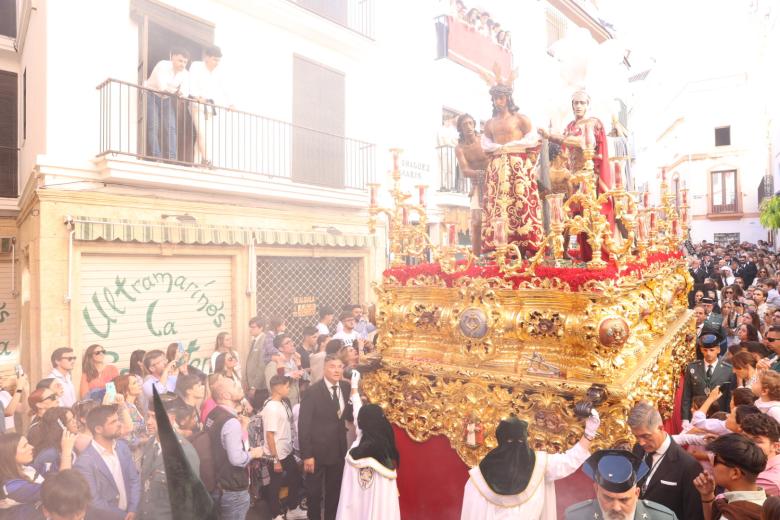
208,88
170,80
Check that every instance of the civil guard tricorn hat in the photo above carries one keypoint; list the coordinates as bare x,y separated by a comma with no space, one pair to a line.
616,471
710,339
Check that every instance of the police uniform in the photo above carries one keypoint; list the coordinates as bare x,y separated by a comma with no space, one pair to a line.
698,383
617,471
155,502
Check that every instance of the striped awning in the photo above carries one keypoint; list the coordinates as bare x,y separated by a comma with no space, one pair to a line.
151,232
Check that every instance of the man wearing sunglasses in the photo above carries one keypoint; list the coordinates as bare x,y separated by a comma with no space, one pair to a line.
772,342
62,361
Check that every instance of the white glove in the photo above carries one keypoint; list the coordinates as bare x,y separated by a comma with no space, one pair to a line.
592,424
355,379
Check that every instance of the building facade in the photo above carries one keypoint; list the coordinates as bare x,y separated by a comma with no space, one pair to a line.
113,234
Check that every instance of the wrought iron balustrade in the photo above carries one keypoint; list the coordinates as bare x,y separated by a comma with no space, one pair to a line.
452,179
140,122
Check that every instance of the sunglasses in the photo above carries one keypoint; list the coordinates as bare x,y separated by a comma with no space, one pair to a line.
52,397
98,352
69,358
772,340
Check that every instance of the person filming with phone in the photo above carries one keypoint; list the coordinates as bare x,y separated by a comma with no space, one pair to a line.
160,373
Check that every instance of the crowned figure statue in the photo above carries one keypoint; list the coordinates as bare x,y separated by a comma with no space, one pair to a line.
574,139
511,209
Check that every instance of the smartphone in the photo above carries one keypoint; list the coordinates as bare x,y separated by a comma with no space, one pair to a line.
19,370
181,346
111,392
59,422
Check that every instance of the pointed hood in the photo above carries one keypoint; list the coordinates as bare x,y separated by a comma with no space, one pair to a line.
188,496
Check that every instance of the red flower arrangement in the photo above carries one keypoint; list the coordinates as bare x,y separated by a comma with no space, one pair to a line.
576,277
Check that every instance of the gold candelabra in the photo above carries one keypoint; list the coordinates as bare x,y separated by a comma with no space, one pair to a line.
409,240
645,228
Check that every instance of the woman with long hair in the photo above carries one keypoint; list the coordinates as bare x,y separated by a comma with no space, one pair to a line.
137,367
81,409
747,332
58,437
39,401
751,318
20,484
192,392
128,389
95,372
744,365
224,344
730,322
226,365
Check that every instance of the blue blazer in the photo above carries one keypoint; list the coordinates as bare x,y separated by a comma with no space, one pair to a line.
105,495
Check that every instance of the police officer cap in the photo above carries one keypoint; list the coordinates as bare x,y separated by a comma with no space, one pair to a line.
707,300
710,340
616,471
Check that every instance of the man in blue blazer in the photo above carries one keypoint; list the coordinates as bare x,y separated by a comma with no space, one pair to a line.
107,464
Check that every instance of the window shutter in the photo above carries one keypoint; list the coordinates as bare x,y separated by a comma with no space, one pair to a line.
8,134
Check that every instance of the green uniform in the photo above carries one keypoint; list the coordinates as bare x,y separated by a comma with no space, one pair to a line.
155,504
714,323
645,510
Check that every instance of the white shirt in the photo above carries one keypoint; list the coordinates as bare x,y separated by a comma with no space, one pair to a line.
658,455
323,329
207,84
69,395
348,338
163,78
115,468
6,398
329,386
706,366
276,418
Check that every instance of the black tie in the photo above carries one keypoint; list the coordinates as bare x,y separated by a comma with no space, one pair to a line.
335,395
709,372
649,459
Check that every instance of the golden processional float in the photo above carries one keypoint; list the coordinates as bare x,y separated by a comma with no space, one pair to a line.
464,342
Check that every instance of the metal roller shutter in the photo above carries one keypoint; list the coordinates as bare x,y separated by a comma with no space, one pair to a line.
9,321
146,302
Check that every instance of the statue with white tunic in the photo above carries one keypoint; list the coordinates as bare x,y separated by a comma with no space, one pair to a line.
514,481
512,209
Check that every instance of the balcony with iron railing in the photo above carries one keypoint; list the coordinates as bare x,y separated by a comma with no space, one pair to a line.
151,126
766,188
452,179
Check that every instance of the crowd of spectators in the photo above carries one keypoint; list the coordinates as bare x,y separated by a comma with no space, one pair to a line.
481,21
247,429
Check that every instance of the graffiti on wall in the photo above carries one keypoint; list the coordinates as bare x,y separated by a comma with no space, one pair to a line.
153,310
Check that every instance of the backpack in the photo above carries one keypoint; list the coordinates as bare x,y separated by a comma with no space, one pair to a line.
208,473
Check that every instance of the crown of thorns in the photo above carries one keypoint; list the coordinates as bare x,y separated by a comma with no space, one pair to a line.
499,84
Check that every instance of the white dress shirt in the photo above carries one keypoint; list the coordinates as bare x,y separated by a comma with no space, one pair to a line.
329,384
164,79
69,395
207,84
657,456
115,468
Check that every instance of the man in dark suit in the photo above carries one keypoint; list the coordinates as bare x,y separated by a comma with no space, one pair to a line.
672,470
107,465
322,434
698,273
705,374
